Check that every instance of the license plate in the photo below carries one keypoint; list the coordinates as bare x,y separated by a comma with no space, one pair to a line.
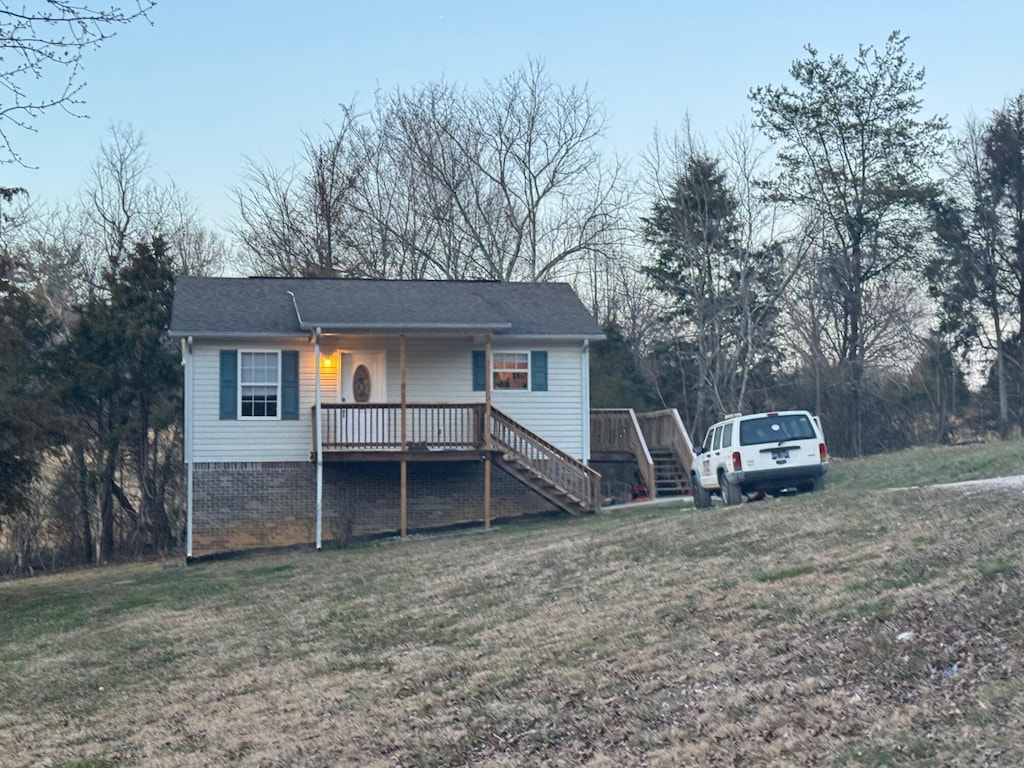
781,453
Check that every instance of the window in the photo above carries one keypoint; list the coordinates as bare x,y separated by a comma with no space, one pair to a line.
510,370
259,384
727,435
776,429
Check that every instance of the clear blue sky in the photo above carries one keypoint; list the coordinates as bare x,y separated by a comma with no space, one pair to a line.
214,81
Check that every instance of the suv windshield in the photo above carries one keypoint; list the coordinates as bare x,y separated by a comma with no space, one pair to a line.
775,429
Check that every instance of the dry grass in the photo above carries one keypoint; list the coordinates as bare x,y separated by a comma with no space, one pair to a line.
854,627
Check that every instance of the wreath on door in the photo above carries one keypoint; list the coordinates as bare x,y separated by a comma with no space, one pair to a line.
361,384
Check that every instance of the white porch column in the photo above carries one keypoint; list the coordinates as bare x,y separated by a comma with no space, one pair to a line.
585,372
186,360
318,430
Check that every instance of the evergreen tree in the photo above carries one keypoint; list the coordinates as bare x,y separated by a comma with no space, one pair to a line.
28,417
121,383
722,307
616,380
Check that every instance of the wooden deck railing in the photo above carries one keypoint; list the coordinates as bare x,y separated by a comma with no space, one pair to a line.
665,430
378,426
535,454
440,427
616,430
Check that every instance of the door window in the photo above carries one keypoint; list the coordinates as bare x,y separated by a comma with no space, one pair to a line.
361,385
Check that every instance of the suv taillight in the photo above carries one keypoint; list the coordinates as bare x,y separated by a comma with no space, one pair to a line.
822,451
737,461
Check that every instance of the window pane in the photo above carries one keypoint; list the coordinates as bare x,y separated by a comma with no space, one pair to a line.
259,401
259,368
511,370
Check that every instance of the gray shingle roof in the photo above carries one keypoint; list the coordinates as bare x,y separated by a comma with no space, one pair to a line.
227,306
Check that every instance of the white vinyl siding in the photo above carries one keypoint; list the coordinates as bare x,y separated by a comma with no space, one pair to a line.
557,414
442,372
437,371
259,439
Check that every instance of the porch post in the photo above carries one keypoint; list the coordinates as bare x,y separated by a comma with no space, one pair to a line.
405,467
318,430
186,360
585,376
487,433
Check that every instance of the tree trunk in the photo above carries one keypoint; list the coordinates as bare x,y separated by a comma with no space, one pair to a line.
107,506
82,488
856,364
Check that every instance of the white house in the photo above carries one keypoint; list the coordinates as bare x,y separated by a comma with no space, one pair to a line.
318,409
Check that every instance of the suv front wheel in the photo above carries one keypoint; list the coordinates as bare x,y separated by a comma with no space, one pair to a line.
730,491
701,496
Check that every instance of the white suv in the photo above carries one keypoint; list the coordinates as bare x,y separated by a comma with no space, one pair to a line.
760,453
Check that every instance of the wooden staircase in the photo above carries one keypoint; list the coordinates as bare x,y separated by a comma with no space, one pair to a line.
560,478
671,450
670,476
656,444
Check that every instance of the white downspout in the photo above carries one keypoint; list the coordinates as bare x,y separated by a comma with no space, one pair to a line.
319,444
186,360
585,371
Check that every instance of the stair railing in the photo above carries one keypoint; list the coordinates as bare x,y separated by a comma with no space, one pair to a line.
665,430
537,456
617,429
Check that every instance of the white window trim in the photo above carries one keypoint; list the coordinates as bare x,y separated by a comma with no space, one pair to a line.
529,369
242,352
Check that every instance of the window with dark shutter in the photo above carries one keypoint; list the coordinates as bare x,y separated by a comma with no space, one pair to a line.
539,371
479,371
290,385
228,384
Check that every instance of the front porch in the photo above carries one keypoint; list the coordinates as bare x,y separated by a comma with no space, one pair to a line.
432,432
391,431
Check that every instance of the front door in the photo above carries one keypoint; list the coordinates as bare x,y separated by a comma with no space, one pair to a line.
363,382
363,377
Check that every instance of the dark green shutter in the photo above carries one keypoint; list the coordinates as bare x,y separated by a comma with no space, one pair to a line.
539,371
228,384
290,385
479,371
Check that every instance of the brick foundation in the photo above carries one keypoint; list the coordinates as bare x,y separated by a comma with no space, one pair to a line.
246,505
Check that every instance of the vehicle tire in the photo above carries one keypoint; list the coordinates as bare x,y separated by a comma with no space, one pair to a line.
731,494
701,497
819,484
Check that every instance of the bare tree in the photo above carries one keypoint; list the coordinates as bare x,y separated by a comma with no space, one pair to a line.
44,43
439,182
294,222
122,205
542,197
855,155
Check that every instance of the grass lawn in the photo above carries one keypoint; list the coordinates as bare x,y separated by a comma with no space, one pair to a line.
879,623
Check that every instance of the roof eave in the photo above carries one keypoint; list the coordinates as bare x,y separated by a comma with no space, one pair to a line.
236,334
326,327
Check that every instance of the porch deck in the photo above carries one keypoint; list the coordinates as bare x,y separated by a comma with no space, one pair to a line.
455,432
